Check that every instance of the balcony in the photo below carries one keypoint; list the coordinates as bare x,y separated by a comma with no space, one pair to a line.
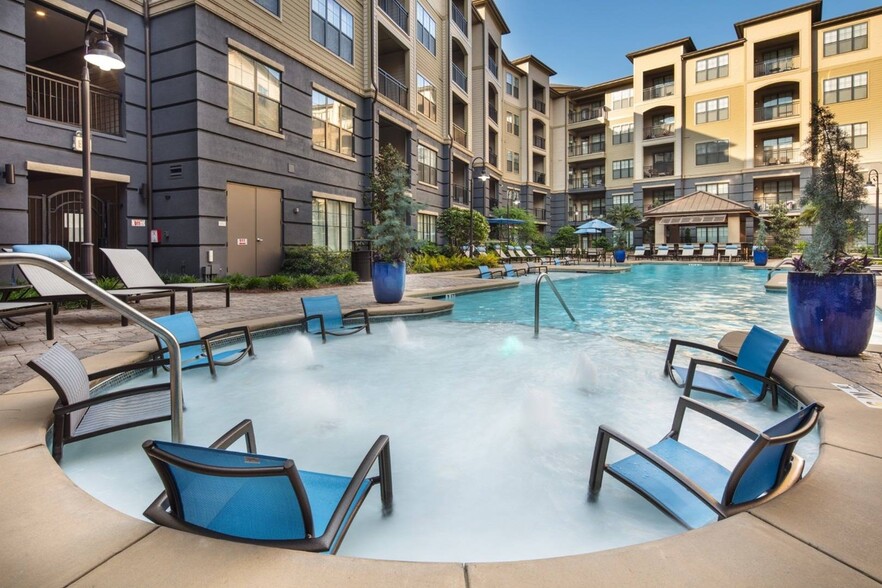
767,113
494,114
539,105
658,131
588,183
493,159
780,156
57,98
539,177
659,169
540,214
393,89
578,149
460,136
765,202
396,11
659,91
777,65
493,202
491,65
460,78
460,20
539,142
586,214
459,194
586,114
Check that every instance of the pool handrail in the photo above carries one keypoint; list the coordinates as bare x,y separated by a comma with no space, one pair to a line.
73,278
544,276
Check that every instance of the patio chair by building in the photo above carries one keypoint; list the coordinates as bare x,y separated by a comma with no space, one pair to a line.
258,498
80,415
487,273
709,251
750,370
10,310
687,250
692,487
135,271
324,315
203,350
510,271
732,251
642,252
663,252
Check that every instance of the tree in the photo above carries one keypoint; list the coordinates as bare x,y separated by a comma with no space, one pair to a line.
784,231
453,223
392,207
524,233
624,217
565,238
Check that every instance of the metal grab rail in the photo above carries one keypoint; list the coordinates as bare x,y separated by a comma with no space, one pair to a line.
544,276
73,278
774,269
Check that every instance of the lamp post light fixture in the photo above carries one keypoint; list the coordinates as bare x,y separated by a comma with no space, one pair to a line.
101,55
483,177
873,180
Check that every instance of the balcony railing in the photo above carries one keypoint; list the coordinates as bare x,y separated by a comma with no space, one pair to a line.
460,20
459,194
764,203
539,105
460,78
494,114
786,110
586,114
491,65
493,158
396,11
460,135
659,91
781,156
539,142
393,89
54,97
773,66
578,149
659,169
539,177
540,214
658,131
593,182
580,216
493,202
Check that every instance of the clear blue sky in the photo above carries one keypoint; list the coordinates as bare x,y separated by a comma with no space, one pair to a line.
577,38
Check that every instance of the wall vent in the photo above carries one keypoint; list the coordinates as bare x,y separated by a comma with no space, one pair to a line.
176,171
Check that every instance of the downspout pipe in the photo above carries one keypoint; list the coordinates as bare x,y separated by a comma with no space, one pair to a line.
148,109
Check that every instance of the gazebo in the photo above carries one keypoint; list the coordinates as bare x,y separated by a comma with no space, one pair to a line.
715,218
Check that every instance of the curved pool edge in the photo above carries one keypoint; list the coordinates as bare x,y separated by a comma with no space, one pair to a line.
825,529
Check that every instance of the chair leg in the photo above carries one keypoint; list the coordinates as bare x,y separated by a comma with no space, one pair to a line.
58,439
50,325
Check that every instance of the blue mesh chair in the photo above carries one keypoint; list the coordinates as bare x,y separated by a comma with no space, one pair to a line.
538,268
510,271
487,273
199,350
692,487
260,499
324,315
751,369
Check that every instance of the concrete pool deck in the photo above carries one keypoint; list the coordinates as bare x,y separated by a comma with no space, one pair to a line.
826,531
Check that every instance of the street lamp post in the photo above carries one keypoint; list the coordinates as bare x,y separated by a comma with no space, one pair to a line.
870,183
511,200
483,177
100,54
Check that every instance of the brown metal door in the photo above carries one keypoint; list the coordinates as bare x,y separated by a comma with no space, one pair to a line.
254,230
268,231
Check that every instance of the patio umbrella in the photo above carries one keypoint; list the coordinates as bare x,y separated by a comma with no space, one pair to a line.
587,231
596,224
505,221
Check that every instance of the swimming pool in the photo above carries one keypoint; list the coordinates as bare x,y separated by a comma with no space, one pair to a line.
491,431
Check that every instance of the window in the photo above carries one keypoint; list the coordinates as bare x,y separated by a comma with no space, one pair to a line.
512,85
513,162
623,99
332,124
428,165
857,134
271,5
778,105
426,98
845,88
711,152
331,224
718,188
623,199
425,28
332,28
596,143
513,123
845,39
704,234
624,168
712,68
778,192
712,110
623,134
255,92
426,227
658,197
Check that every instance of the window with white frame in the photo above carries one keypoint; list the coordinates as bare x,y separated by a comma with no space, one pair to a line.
513,123
332,224
845,88
623,99
255,92
332,28
711,152
712,110
426,98
273,6
623,199
623,168
426,227
425,28
623,134
513,161
857,134
717,188
712,68
428,165
512,85
850,38
332,124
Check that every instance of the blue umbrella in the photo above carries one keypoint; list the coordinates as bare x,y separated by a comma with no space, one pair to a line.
596,224
587,231
505,221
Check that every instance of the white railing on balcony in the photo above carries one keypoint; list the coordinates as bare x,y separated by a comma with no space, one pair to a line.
773,66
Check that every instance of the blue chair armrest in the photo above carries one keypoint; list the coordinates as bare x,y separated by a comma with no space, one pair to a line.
672,349
768,383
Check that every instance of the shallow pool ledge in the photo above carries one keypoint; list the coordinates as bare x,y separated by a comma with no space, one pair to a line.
825,531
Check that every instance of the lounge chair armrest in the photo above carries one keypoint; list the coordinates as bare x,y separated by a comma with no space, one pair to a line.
672,349
491,273
58,410
244,330
770,384
321,319
128,367
685,403
246,429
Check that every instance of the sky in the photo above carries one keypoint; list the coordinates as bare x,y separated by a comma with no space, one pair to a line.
586,41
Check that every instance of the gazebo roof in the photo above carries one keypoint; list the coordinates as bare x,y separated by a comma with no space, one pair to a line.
699,204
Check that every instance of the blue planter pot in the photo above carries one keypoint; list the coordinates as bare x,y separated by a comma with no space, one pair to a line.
760,257
619,255
388,281
832,314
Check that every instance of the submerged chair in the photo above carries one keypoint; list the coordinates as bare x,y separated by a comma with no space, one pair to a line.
511,271
751,368
536,267
324,315
487,273
692,487
198,350
260,499
79,415
135,271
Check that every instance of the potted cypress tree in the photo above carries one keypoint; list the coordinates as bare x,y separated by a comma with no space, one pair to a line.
624,217
393,238
760,250
831,295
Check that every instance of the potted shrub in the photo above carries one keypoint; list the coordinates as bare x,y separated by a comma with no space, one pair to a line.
760,251
624,217
393,239
831,295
